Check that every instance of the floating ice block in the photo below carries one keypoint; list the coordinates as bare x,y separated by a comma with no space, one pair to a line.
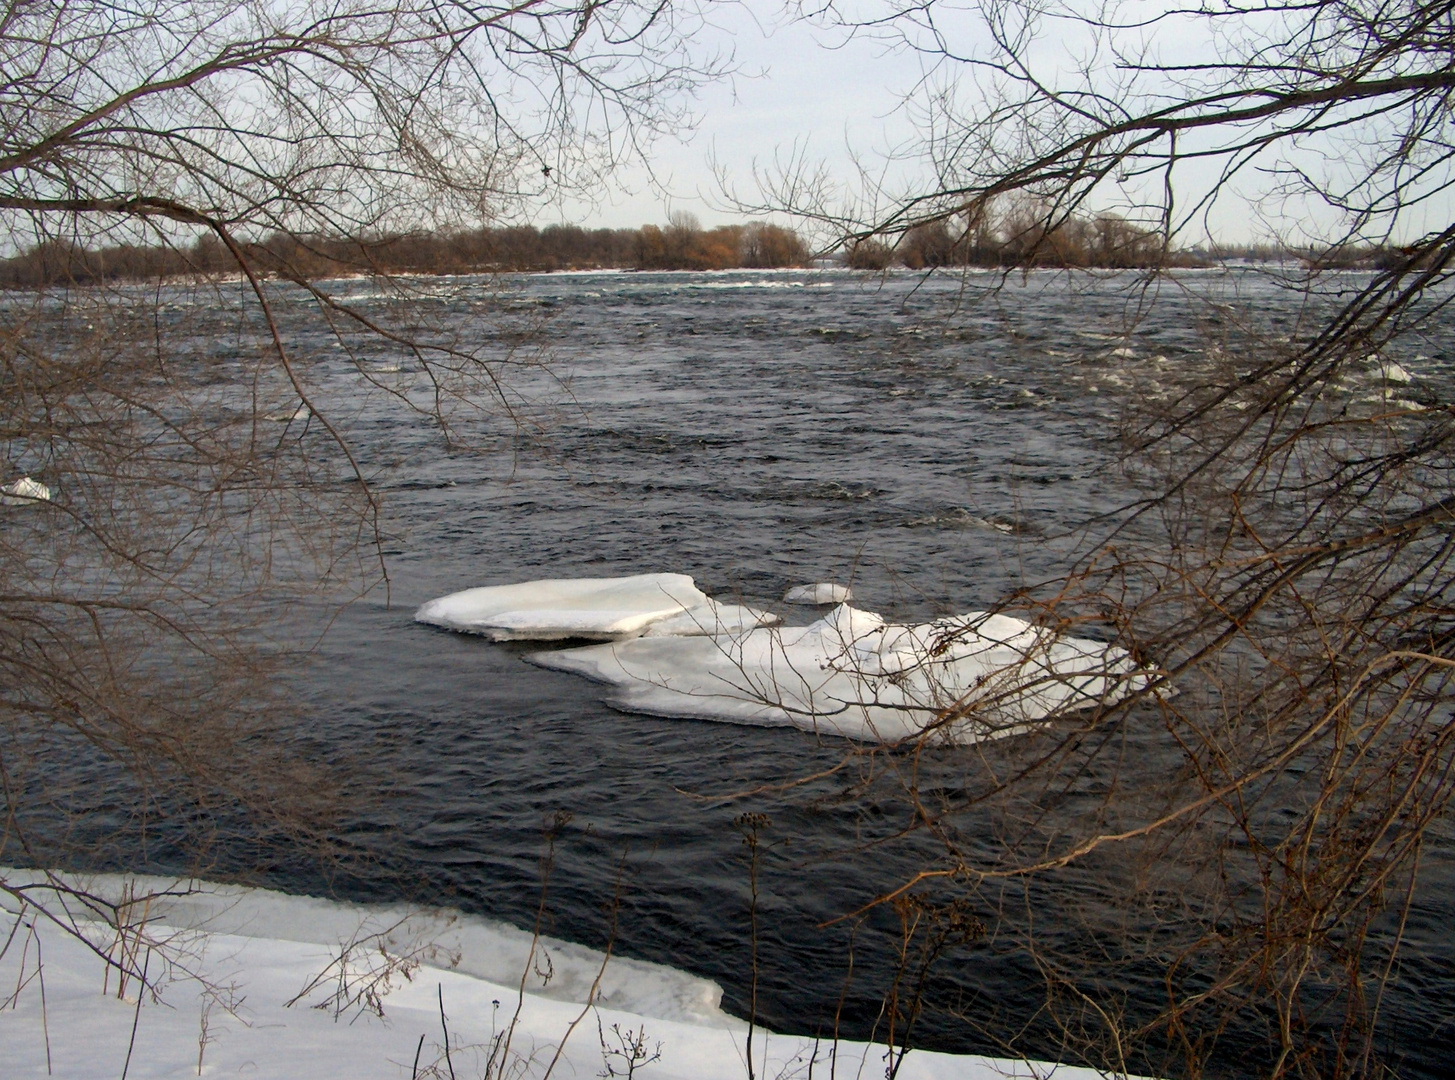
602,608
967,678
24,492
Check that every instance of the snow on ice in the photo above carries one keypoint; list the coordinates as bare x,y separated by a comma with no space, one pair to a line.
227,960
822,593
855,675
602,608
673,651
24,492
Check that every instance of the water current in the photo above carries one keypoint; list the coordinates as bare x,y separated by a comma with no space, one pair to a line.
932,448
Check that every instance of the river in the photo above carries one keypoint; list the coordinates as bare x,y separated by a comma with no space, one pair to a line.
931,442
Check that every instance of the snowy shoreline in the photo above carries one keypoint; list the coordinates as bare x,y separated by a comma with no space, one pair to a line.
226,960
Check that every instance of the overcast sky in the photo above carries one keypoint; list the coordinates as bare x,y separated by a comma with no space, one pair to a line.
796,87
807,90
800,89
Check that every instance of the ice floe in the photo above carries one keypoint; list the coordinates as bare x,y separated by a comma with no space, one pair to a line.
967,678
24,492
551,609
821,593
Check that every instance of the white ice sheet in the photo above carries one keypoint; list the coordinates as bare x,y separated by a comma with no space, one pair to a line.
608,609
24,492
823,592
970,677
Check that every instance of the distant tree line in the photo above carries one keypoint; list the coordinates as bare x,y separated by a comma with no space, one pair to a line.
1348,256
1020,237
680,245
1023,234
1028,234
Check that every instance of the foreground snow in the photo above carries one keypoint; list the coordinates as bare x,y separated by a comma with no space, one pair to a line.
855,675
228,959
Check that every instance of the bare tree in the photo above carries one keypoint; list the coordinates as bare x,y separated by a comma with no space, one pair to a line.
1284,557
169,503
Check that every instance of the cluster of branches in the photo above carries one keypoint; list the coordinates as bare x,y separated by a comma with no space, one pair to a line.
146,605
682,246
1287,567
1286,560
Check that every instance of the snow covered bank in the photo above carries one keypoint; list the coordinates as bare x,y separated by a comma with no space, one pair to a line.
852,674
484,948
227,961
604,608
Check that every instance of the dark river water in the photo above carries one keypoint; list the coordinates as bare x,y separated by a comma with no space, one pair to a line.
934,448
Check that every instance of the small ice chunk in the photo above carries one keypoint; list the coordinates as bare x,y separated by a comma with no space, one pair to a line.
972,677
24,492
823,592
554,608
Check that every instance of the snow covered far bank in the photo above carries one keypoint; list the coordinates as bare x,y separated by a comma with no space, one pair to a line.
227,960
